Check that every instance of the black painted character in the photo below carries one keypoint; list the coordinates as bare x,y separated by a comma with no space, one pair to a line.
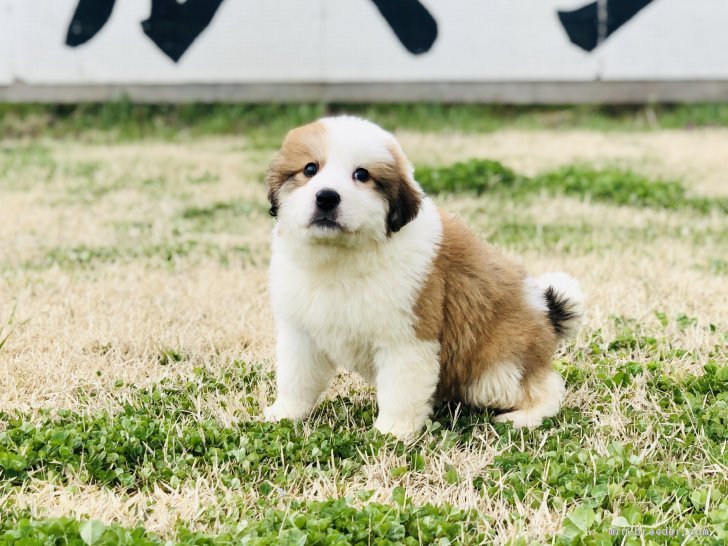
174,26
588,30
415,27
90,17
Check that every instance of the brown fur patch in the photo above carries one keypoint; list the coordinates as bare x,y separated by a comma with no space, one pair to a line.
394,181
473,304
301,146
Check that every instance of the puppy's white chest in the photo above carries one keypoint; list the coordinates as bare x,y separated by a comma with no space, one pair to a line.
347,319
352,309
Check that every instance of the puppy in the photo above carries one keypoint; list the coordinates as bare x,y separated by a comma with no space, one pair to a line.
368,275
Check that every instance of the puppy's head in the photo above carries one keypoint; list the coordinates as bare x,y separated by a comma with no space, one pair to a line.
342,178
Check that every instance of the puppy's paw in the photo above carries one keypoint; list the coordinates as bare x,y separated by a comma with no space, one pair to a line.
285,410
520,419
402,429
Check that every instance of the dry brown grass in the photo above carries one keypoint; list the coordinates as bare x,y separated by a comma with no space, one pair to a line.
698,157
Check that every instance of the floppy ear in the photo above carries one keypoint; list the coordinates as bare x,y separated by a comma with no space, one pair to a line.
274,179
273,200
404,207
403,195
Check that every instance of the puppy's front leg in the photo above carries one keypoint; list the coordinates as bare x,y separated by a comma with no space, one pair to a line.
302,373
407,377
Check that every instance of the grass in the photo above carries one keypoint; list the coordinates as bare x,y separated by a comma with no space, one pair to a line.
6,329
164,253
160,434
330,522
124,120
152,439
617,186
136,338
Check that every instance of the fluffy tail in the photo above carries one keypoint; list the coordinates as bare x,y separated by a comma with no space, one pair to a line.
564,302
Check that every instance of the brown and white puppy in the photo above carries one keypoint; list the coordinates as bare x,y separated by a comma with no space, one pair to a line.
368,275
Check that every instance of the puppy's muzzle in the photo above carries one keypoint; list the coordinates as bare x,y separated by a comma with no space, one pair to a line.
326,213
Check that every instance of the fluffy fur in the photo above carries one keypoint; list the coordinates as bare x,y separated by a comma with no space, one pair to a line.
386,285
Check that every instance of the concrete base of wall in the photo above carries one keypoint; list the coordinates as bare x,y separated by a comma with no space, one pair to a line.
615,92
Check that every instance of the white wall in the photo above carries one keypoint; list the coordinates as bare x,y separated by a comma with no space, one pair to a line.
340,41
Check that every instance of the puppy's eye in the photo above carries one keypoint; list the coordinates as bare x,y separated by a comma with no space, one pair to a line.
310,169
362,175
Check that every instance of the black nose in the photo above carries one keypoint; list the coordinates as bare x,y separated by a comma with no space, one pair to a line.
327,199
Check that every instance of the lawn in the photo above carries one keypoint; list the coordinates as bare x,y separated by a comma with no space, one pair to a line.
136,339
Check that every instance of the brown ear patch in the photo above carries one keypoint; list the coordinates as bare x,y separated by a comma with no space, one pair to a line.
394,181
301,146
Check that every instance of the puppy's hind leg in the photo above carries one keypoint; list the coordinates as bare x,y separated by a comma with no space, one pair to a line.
407,377
302,373
542,398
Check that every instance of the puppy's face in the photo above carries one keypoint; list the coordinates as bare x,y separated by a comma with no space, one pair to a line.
342,179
